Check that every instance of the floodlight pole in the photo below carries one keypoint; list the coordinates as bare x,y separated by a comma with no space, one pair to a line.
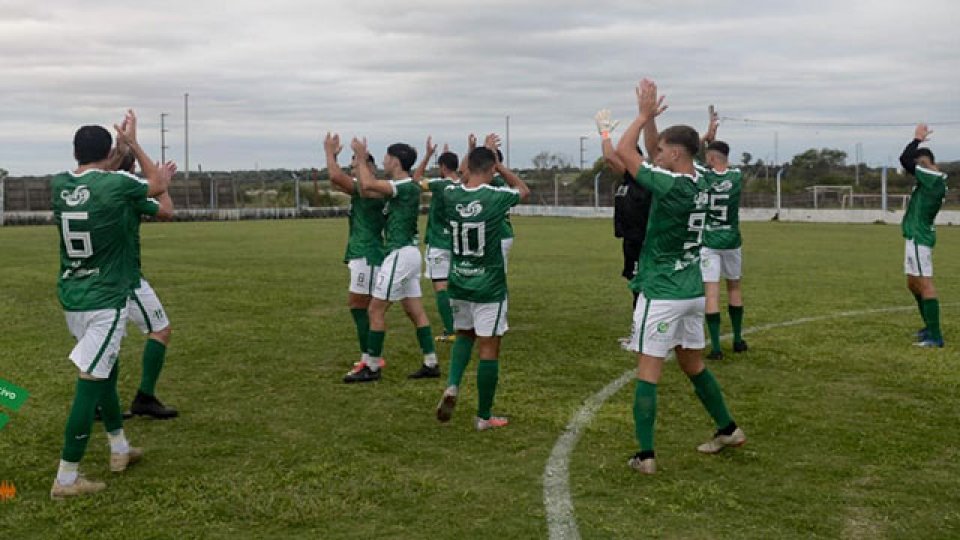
186,144
779,177
507,146
596,191
163,137
883,188
582,138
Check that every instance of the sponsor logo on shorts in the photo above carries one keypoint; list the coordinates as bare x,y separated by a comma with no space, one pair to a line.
470,210
78,196
7,491
662,327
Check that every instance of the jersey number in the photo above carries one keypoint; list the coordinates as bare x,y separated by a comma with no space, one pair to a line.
718,205
695,225
77,243
463,244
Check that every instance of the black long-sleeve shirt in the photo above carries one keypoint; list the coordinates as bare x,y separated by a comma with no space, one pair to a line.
909,156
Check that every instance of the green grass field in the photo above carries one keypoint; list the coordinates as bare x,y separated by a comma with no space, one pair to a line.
853,431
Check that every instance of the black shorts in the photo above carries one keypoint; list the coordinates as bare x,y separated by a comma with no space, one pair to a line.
631,257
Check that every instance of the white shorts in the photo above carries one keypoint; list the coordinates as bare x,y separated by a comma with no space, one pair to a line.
505,246
719,263
145,310
99,334
438,263
399,275
485,320
917,260
362,276
661,325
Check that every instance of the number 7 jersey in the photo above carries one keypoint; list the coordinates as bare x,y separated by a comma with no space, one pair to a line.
476,217
94,215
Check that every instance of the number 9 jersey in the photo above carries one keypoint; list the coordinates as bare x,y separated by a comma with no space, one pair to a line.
476,216
94,214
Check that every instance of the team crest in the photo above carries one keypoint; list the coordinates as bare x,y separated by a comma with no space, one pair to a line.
726,185
79,196
470,210
662,327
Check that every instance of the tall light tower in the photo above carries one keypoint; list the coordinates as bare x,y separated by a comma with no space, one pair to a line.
186,144
163,137
582,138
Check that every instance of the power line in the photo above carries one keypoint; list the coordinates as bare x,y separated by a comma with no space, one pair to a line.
827,124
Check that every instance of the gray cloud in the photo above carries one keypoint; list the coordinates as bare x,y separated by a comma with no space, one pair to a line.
266,80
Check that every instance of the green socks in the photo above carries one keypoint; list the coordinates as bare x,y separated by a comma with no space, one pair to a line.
362,320
488,372
110,402
153,354
80,422
446,313
923,316
645,413
931,314
375,343
713,325
708,390
425,338
736,317
459,358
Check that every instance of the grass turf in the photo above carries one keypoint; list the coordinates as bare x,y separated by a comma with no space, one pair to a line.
852,430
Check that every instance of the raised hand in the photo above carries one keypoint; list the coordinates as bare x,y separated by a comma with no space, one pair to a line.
922,132
359,147
331,143
650,104
127,129
446,148
492,141
431,148
168,169
713,123
604,124
471,142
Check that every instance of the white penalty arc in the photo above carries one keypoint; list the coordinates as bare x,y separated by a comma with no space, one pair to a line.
557,500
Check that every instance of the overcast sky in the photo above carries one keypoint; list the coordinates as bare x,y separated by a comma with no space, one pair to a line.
268,79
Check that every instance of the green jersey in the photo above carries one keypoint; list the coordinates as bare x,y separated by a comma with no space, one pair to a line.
925,201
476,217
498,181
722,230
402,211
366,218
438,230
669,260
94,214
148,207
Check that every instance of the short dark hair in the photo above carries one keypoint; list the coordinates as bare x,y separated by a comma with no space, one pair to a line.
449,160
684,136
719,146
405,153
126,163
481,159
91,144
926,152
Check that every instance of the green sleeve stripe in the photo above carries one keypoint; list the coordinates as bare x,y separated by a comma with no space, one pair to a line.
103,347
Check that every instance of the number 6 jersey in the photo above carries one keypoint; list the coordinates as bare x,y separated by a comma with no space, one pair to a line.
476,218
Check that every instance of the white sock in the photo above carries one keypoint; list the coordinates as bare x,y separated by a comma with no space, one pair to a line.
67,473
430,360
118,442
373,363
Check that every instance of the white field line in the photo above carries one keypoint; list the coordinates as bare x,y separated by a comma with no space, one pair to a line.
561,520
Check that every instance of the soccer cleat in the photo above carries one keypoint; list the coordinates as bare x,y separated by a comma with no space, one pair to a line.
447,402
715,355
643,466
930,343
119,462
739,346
357,366
446,338
922,334
425,372
365,374
721,441
81,486
147,405
490,423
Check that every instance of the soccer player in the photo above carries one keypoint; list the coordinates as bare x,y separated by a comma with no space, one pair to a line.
437,257
506,244
475,212
399,276
921,233
720,256
146,312
364,243
97,275
669,312
631,203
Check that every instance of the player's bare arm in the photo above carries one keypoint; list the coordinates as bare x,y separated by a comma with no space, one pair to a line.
649,107
338,179
605,127
165,212
511,178
422,168
471,144
651,135
370,186
127,135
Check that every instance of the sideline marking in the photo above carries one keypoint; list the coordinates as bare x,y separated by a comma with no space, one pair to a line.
561,521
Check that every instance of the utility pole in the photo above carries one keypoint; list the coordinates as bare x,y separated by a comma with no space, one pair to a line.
163,137
582,138
858,156
186,144
776,148
507,153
